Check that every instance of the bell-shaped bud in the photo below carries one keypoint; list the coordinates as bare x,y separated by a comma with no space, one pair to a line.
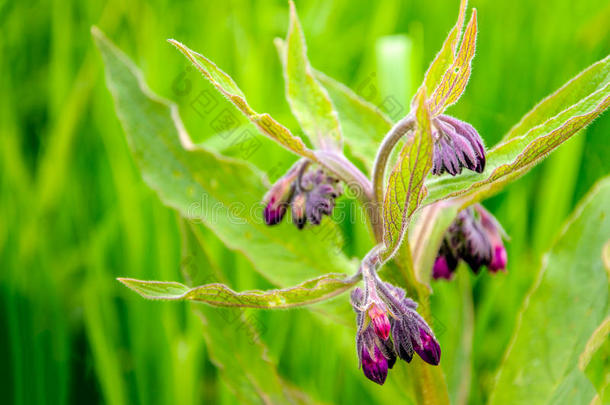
277,199
299,216
445,263
457,145
476,248
374,365
402,340
475,237
321,196
380,321
495,234
499,258
426,346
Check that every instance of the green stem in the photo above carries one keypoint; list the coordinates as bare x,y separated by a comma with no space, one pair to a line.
400,129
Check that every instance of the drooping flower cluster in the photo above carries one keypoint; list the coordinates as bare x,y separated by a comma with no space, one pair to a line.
456,145
475,237
390,327
310,193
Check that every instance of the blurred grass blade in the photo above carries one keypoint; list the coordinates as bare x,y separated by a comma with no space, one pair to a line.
515,157
445,57
406,189
188,181
589,81
566,305
454,80
309,101
216,294
229,89
395,60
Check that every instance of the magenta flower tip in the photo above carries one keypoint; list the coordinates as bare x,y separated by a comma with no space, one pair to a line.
429,350
380,321
375,368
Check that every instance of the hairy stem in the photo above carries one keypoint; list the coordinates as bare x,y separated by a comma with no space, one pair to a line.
357,183
399,129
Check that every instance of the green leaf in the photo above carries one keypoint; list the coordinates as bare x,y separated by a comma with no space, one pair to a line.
445,57
567,303
515,157
427,235
591,80
363,124
454,80
227,87
221,193
594,361
406,189
306,293
309,101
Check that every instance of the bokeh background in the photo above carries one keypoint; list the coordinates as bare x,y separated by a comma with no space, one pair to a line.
75,213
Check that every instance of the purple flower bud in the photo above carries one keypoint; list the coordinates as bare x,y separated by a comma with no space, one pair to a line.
445,263
375,366
321,194
380,321
441,269
476,248
277,199
299,218
498,259
475,236
494,233
402,340
427,347
457,145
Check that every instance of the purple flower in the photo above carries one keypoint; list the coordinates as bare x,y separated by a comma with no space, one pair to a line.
381,341
456,145
299,217
310,194
380,321
475,237
495,233
445,263
498,259
374,365
277,199
321,191
427,347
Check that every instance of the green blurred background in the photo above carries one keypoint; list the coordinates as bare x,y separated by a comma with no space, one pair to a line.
75,213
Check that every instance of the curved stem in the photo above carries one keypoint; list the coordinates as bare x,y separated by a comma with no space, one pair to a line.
381,161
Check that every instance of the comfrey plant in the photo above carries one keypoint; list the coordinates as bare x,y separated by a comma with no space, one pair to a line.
424,215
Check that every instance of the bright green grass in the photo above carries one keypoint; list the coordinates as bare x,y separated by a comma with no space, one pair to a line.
75,214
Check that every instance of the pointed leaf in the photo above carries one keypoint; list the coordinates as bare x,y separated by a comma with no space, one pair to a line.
221,193
515,157
406,189
363,124
445,57
590,80
454,80
309,101
225,85
219,295
564,308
